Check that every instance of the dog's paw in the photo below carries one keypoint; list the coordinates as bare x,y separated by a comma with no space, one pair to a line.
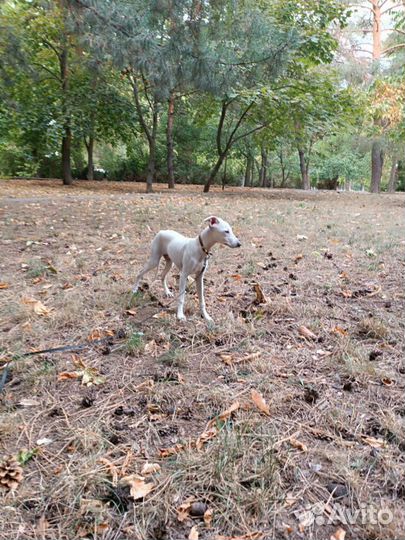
169,294
181,318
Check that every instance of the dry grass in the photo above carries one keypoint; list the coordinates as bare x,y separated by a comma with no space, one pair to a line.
337,414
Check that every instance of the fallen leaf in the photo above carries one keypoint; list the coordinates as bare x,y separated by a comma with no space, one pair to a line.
387,381
339,331
112,469
208,515
151,348
91,376
44,441
260,296
4,285
150,468
42,526
193,533
375,443
36,305
98,333
138,488
339,534
306,333
347,293
228,359
236,277
256,535
183,511
302,237
65,375
28,402
260,402
130,312
298,257
298,444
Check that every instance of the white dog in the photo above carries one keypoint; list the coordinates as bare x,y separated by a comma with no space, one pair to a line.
190,255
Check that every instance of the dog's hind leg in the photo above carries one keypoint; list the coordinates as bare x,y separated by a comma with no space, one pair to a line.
152,263
166,270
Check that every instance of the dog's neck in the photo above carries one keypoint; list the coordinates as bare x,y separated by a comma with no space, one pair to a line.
206,238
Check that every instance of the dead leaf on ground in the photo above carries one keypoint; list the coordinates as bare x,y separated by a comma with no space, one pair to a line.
306,333
112,469
4,285
298,444
150,468
99,333
42,526
375,443
65,375
138,488
298,257
256,535
260,402
339,534
151,348
346,293
339,331
193,533
183,511
208,515
261,298
38,307
236,277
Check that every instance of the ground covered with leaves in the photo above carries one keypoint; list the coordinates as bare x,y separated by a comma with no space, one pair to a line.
285,419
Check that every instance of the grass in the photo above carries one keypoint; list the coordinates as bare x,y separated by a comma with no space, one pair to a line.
336,402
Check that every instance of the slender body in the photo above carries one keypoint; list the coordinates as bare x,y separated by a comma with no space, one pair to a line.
190,255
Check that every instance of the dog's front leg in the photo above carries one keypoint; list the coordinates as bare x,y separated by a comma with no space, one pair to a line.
200,291
182,294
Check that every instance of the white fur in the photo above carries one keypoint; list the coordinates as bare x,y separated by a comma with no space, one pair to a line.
189,257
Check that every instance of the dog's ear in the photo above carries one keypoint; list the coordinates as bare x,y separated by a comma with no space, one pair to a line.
212,220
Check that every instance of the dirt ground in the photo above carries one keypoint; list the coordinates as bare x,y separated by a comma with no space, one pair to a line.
283,420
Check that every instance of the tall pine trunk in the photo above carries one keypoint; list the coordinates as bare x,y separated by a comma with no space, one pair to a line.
169,141
377,161
263,168
90,157
214,172
248,170
67,132
392,183
152,152
305,182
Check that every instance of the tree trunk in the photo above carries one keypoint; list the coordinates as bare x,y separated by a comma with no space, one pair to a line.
67,134
152,153
224,175
214,172
376,7
392,184
263,168
248,170
169,141
90,157
377,161
305,182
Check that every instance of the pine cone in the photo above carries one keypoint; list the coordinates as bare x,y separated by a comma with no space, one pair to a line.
11,473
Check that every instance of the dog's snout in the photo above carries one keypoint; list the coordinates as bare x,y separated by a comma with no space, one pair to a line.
238,244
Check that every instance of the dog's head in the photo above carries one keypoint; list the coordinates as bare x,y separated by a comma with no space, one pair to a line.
222,232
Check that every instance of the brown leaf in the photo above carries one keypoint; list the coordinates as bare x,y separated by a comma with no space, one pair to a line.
65,375
298,258
228,359
306,333
150,468
236,277
339,331
375,443
339,534
42,526
208,515
183,511
260,296
298,444
193,533
346,293
151,348
36,305
260,402
138,487
4,285
256,535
